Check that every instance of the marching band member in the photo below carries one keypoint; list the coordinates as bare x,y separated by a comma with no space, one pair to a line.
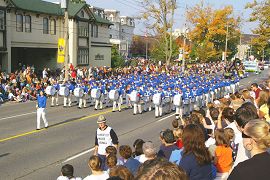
128,91
178,105
138,105
158,107
186,98
41,105
55,96
84,98
71,88
194,99
148,93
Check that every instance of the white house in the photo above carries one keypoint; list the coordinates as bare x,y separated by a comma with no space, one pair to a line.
122,31
30,30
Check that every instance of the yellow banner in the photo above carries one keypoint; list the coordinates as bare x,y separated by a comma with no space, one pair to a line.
61,50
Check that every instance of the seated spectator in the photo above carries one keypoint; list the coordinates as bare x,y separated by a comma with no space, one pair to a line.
160,169
168,149
256,140
11,96
196,159
223,154
122,172
131,163
67,173
95,167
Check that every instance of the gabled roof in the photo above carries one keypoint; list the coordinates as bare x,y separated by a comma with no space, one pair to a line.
40,6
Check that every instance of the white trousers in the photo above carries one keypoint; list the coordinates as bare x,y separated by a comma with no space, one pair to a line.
55,99
82,100
99,101
137,107
178,112
158,110
128,102
41,113
67,98
118,103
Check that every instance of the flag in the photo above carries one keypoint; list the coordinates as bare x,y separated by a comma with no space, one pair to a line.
61,51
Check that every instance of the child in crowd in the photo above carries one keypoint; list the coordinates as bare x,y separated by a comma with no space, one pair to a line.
112,150
111,161
231,136
178,137
223,155
67,173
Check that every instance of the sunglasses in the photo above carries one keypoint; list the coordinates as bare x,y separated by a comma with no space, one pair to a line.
245,136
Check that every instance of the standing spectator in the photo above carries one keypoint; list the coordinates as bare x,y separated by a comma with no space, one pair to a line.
67,173
256,140
111,161
95,167
256,89
138,143
223,154
264,111
168,149
41,105
131,163
196,160
105,136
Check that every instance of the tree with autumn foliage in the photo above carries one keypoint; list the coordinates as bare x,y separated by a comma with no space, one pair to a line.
209,29
261,14
159,18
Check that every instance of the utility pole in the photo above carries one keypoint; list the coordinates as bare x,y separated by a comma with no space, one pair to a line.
146,49
226,45
64,5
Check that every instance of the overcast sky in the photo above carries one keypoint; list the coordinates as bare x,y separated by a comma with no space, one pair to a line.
133,8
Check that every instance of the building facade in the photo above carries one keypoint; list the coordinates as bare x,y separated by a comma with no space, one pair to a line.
32,28
122,31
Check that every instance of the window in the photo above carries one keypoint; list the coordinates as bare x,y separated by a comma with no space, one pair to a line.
94,30
52,27
2,20
45,26
27,23
122,30
83,57
82,14
19,23
111,36
83,29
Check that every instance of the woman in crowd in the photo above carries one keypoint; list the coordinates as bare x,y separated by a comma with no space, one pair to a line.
196,160
264,111
256,140
121,172
95,167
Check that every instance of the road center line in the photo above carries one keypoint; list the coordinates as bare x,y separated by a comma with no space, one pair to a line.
17,115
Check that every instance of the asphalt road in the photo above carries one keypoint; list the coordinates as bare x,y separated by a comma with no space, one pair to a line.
29,154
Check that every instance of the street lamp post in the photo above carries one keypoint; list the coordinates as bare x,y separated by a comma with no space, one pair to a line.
185,38
226,45
64,5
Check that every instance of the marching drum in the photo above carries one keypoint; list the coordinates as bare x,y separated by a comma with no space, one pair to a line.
157,99
177,100
95,93
146,98
78,92
134,96
167,100
64,91
113,95
50,90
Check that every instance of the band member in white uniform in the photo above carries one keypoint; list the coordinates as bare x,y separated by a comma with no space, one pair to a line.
55,96
178,105
83,99
148,93
138,105
158,107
